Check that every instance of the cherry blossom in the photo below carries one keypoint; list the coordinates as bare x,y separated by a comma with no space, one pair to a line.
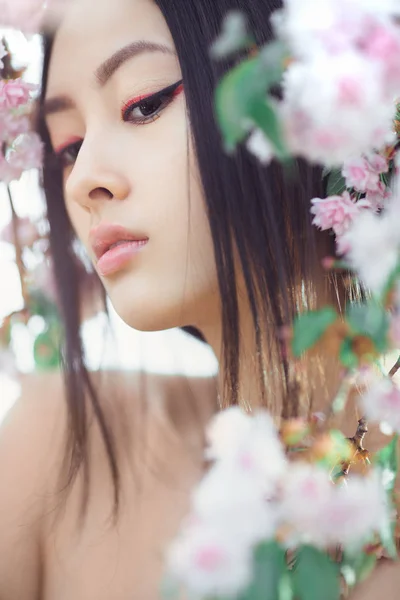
209,563
335,212
381,403
15,93
325,514
249,443
27,152
350,114
233,500
371,246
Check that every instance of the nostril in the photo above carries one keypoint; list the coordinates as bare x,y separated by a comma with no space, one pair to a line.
100,193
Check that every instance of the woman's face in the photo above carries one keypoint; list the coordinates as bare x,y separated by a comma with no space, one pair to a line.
129,166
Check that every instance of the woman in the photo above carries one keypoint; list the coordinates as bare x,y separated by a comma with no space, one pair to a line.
180,235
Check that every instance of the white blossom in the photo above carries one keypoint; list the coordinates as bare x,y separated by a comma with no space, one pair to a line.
225,430
325,514
372,246
381,403
306,492
309,27
355,511
209,563
250,443
259,145
335,108
233,501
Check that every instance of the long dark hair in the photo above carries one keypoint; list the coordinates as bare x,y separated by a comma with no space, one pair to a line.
252,210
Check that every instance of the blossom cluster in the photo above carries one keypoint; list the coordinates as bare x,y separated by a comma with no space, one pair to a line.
339,91
252,493
21,148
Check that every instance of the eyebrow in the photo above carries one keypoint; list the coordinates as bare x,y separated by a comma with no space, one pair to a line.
106,70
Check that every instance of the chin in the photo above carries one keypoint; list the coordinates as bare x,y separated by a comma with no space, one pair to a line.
147,314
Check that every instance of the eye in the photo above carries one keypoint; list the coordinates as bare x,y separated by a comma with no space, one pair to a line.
67,156
148,109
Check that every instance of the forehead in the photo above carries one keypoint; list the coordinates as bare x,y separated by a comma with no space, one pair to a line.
92,30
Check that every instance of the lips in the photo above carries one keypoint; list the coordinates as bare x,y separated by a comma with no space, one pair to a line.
114,246
104,236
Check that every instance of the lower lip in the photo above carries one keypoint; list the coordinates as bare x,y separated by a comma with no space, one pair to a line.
115,259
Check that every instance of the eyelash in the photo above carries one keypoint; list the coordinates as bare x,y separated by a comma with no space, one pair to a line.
165,96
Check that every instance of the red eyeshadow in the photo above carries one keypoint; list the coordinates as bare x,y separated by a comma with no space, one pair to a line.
70,141
178,90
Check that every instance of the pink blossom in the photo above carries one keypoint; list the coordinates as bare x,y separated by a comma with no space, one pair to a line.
373,244
325,514
27,152
383,44
209,563
359,175
249,444
378,163
13,125
376,199
233,500
348,519
15,93
351,114
334,212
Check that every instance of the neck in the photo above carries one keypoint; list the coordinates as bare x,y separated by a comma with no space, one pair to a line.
249,380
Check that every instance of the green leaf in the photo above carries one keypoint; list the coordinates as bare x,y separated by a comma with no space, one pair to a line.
315,576
387,460
239,90
346,354
265,117
269,569
46,349
336,184
309,327
370,320
357,568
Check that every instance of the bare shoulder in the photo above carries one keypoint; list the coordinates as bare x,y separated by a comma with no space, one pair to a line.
26,436
383,583
175,406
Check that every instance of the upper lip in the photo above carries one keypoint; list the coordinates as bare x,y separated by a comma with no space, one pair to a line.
103,236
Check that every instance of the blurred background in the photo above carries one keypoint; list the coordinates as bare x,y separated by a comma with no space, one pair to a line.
29,339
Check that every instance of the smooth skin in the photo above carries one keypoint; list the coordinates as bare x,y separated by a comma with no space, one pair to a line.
137,176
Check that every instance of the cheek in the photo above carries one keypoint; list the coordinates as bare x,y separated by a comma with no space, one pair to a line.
180,215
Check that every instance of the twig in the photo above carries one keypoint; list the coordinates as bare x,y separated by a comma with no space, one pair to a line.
395,368
18,249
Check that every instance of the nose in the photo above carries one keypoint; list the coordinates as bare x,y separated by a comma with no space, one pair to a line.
97,176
